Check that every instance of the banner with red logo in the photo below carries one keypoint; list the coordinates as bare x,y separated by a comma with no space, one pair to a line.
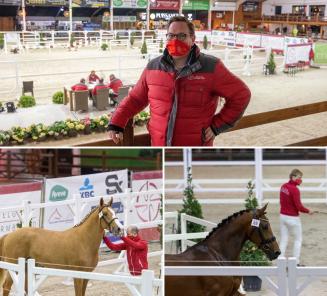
146,207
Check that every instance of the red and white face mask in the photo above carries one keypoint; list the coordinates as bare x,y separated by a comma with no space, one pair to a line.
298,181
177,48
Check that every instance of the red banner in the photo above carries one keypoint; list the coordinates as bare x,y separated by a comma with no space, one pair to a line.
165,4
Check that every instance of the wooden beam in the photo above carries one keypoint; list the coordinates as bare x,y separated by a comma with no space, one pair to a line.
280,114
322,141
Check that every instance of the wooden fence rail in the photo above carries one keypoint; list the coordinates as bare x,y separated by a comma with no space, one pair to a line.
130,139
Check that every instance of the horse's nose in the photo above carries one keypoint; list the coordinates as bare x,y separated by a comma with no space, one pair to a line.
277,253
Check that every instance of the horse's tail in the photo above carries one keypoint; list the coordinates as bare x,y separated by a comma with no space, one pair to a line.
3,272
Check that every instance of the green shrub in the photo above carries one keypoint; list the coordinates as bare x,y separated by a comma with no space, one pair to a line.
2,40
26,101
205,42
132,39
144,49
104,46
58,97
161,45
271,65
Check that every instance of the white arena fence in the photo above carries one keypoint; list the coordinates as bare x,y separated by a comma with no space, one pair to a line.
286,272
26,212
128,67
146,283
262,185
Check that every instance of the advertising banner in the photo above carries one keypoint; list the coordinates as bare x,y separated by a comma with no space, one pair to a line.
90,3
223,38
320,50
296,53
196,5
147,207
58,189
165,5
130,3
13,195
10,2
47,2
276,43
248,39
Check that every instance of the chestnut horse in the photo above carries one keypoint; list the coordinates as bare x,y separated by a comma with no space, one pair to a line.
222,246
75,248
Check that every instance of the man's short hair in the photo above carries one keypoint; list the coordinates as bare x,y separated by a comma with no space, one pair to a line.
179,18
133,229
82,80
295,172
112,76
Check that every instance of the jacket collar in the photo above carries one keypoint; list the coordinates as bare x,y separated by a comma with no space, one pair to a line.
134,238
292,182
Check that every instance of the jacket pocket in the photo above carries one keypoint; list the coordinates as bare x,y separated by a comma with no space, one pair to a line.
192,96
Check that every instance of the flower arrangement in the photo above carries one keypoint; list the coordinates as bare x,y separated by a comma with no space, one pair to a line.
18,134
141,118
58,130
4,138
37,131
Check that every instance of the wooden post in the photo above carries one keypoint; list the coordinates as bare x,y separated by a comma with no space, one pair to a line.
128,139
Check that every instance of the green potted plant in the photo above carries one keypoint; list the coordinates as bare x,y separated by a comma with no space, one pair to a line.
26,101
251,255
58,97
104,46
161,46
271,65
38,132
144,49
192,207
132,39
18,135
205,42
4,138
58,130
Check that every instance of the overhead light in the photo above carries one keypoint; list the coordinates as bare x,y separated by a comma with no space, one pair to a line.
106,13
66,13
21,12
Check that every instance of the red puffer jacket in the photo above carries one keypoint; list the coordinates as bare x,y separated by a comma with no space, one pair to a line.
183,105
137,252
79,86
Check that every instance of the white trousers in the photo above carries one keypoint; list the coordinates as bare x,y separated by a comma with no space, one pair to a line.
292,225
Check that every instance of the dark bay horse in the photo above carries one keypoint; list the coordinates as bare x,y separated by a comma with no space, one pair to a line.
75,248
222,246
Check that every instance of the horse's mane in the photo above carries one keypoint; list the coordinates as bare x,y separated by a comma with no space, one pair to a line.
226,221
87,216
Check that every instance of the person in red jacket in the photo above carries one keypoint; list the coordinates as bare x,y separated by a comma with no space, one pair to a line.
290,207
114,83
182,88
100,85
80,86
93,78
136,250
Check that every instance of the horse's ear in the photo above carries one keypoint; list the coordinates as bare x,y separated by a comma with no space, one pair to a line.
262,211
110,202
101,202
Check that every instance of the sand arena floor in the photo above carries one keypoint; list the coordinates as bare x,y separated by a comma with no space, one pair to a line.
62,68
314,246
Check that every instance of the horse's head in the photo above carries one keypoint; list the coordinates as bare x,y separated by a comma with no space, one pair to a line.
260,233
108,219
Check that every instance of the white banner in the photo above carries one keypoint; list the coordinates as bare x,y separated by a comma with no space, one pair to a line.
223,38
146,208
12,38
61,217
248,39
13,195
295,40
296,53
274,42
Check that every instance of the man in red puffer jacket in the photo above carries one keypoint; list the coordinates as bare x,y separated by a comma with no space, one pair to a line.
80,86
182,88
136,249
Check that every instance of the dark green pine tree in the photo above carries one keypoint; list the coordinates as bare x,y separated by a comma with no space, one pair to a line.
191,206
271,63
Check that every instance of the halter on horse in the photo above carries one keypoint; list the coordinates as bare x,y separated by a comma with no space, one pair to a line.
75,248
222,247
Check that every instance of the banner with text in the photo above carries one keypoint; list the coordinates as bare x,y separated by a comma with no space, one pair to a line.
14,195
130,3
58,189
